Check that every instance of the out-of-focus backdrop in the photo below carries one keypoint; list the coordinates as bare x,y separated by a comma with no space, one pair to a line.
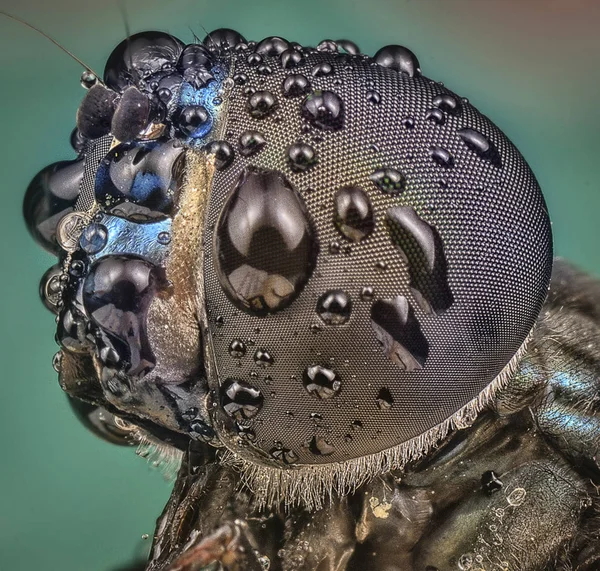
69,502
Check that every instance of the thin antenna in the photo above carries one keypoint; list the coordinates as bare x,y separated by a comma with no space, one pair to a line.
73,56
194,36
123,10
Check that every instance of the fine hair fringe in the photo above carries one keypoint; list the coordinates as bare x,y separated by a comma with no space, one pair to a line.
158,454
314,486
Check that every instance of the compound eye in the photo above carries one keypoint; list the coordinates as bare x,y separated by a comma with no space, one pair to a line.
140,56
265,245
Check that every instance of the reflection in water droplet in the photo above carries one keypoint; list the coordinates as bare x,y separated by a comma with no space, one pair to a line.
163,238
389,180
261,104
251,142
265,246
301,157
93,238
334,307
263,358
399,331
321,382
240,400
295,85
237,348
399,59
324,109
384,399
318,445
353,213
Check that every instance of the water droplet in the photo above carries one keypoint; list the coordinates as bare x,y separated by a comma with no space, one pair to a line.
301,157
237,348
251,142
261,104
480,144
57,361
220,321
272,46
384,399
284,455
88,79
93,238
295,85
367,293
327,46
466,562
321,382
420,245
254,59
373,97
353,213
391,181
223,153
408,122
334,248
399,59
315,416
356,425
265,244
441,156
163,238
240,400
263,358
324,110
381,266
516,497
51,288
291,58
435,116
318,445
490,482
448,103
399,331
322,69
334,307
193,121
349,47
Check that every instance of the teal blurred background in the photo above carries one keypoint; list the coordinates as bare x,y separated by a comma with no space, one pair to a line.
71,502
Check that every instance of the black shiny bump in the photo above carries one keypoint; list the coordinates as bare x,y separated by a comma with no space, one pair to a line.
261,104
321,382
265,246
50,195
223,153
420,244
194,56
96,111
481,145
448,104
324,110
251,142
441,156
301,157
490,482
291,58
131,116
272,46
284,455
295,85
353,213
140,56
334,307
390,181
223,39
399,332
240,400
399,59
384,399
116,295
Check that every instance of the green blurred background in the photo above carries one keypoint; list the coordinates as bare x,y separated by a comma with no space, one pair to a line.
71,502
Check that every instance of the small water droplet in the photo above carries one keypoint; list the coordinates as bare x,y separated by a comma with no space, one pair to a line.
93,238
356,425
480,144
324,110
240,400
220,320
328,46
441,156
272,46
163,238
240,78
408,122
447,103
353,213
291,58
334,248
367,293
261,104
263,358
237,348
301,157
284,455
223,153
295,85
390,181
322,69
435,116
321,382
251,142
490,482
334,307
373,97
399,59
254,59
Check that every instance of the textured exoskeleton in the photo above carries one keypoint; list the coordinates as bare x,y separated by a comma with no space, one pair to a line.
317,278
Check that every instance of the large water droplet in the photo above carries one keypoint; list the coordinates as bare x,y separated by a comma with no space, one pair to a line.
261,104
399,59
353,213
240,400
272,46
301,157
324,109
265,246
420,245
295,85
318,445
251,142
321,382
481,145
389,180
193,121
399,331
334,307
223,40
